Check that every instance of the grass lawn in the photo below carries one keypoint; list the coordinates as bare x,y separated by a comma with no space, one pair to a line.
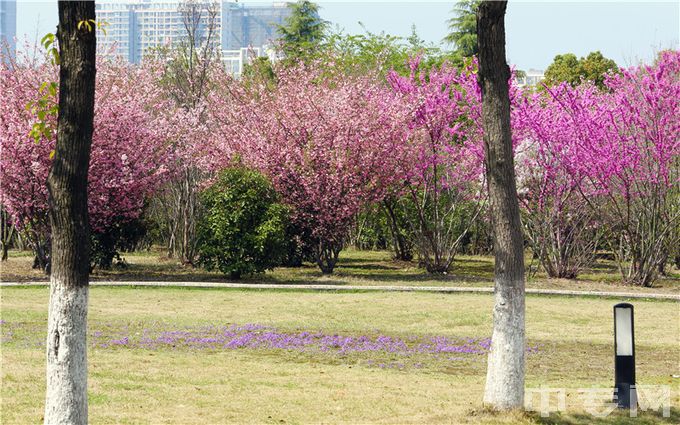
354,268
183,377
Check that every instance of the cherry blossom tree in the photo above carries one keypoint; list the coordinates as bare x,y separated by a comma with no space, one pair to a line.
129,153
24,164
329,145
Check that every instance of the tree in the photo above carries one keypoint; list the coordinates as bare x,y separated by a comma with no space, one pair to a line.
66,398
595,68
190,66
627,146
505,373
329,145
303,31
556,198
7,233
376,53
243,230
442,179
462,27
129,157
568,68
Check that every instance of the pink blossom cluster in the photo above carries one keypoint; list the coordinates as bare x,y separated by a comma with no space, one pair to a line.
129,150
329,145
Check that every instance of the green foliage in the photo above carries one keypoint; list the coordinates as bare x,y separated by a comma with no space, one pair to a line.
376,53
49,44
106,245
567,67
299,246
46,107
463,29
520,74
371,230
304,30
244,228
259,71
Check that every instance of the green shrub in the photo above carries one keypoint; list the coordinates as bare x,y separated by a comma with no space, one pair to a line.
123,235
243,229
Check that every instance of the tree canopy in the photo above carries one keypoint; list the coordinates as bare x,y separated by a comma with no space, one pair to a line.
567,67
463,29
304,29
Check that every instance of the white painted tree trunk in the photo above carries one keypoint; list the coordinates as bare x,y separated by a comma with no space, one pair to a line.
505,372
66,399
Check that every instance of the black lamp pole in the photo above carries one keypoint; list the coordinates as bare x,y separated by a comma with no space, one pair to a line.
624,356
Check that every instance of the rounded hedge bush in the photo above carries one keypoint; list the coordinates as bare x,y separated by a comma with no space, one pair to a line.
244,226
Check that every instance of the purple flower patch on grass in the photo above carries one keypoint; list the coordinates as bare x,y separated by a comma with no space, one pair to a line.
261,337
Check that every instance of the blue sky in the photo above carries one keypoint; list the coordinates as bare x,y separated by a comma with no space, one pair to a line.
626,31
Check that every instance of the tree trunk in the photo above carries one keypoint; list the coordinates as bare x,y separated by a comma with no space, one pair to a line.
327,255
402,248
66,398
6,233
505,372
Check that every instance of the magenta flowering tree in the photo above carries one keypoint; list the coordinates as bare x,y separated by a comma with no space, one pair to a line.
559,205
329,145
620,152
128,156
442,178
635,160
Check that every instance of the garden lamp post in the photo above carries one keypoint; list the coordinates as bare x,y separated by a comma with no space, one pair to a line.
624,359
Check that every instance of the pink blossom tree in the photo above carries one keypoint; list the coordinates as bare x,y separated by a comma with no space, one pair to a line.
128,150
24,164
641,178
556,199
330,146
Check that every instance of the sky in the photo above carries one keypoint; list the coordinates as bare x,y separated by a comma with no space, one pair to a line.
627,31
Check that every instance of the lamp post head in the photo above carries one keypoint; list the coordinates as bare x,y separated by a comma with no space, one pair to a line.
623,329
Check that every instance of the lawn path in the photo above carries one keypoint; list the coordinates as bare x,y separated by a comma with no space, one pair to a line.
354,288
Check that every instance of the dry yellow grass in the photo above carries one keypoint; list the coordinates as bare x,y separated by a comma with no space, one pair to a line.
134,385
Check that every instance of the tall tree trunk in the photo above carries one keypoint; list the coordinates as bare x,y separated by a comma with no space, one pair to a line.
66,398
505,372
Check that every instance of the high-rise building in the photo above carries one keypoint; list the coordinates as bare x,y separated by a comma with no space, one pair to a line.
251,25
8,26
121,29
137,26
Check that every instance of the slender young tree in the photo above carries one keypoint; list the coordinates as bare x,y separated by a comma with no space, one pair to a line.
505,373
66,398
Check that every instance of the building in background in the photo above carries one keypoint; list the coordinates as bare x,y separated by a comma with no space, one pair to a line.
8,27
121,29
235,60
135,27
531,78
251,25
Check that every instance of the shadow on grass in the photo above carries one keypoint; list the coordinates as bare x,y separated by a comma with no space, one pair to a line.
618,417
